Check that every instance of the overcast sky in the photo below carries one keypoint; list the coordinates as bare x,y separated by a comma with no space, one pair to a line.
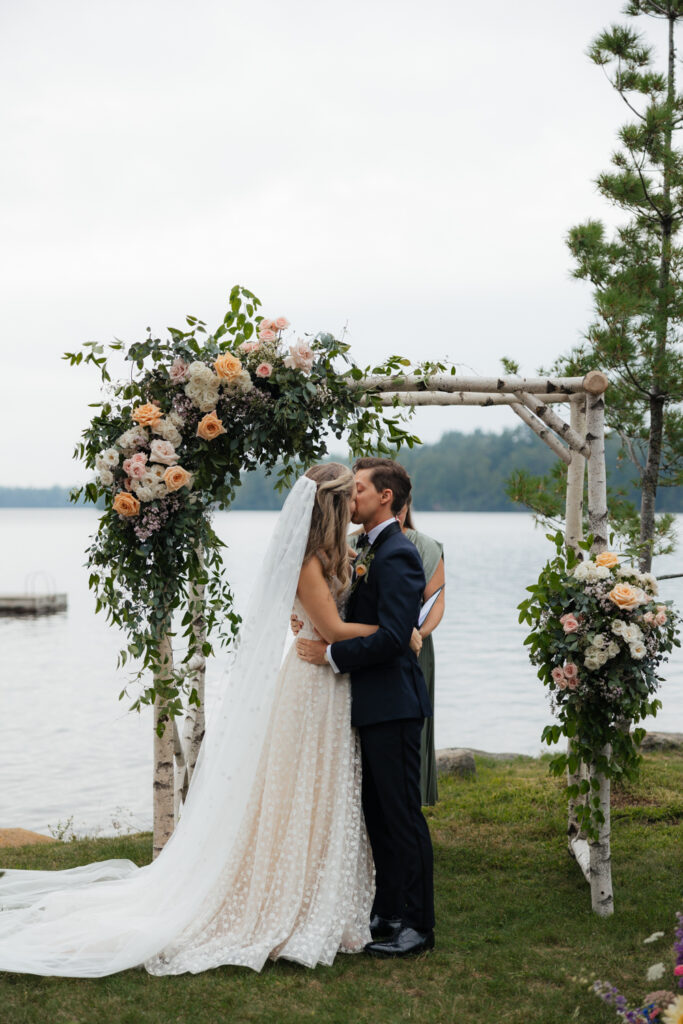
408,169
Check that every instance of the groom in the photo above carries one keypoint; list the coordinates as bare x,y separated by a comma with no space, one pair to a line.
389,703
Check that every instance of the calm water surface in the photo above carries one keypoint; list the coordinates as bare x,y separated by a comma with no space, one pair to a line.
70,748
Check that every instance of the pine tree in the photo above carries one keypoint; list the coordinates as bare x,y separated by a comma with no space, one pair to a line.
637,273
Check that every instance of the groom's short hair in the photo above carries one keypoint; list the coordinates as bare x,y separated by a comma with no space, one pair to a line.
387,474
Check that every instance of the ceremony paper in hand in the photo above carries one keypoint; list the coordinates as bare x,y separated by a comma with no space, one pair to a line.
427,606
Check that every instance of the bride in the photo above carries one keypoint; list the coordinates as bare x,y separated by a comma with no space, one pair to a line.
270,857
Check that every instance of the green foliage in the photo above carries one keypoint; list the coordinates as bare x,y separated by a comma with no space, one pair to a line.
599,661
149,558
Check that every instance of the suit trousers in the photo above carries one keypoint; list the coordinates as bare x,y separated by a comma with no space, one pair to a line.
399,836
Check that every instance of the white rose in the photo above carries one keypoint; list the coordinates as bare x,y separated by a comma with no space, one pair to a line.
108,459
613,649
176,419
600,641
649,581
143,491
637,650
132,439
618,627
581,571
107,477
632,633
602,572
154,474
164,452
168,431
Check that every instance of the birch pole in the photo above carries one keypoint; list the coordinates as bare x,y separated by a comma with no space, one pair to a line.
194,725
163,785
572,535
600,875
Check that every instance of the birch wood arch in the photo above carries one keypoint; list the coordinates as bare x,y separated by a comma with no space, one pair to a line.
580,443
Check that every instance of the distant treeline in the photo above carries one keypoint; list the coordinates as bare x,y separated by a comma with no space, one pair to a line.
460,473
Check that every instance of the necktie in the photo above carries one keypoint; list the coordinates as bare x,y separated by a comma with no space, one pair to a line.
362,541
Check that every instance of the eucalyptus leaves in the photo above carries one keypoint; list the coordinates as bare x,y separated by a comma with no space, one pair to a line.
171,444
598,635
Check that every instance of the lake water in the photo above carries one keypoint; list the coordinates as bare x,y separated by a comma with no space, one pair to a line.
70,748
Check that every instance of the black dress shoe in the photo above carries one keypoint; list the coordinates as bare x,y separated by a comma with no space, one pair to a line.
406,942
384,927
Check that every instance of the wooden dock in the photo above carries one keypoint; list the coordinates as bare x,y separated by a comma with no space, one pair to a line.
32,604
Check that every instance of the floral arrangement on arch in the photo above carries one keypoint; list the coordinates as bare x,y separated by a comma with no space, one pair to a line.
172,443
599,633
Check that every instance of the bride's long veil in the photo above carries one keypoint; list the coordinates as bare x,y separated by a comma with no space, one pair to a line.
109,916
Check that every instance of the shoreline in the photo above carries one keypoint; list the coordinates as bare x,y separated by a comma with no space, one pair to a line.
449,760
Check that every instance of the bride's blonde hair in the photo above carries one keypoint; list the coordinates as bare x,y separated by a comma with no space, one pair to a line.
330,519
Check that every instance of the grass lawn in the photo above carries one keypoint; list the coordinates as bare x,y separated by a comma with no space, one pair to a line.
514,925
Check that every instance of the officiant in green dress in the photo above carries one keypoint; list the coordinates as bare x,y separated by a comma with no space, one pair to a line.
431,553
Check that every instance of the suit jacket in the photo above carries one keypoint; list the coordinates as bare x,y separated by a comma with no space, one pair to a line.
386,679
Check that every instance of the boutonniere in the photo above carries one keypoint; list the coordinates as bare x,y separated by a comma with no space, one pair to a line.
361,567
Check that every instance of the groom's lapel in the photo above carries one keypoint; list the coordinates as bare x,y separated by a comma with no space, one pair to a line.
387,532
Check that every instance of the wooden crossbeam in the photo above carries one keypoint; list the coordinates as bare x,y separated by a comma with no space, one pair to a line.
556,423
543,432
488,385
455,398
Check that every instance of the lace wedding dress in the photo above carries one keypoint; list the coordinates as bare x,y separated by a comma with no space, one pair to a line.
270,857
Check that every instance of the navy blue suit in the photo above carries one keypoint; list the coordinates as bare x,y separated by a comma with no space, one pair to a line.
389,703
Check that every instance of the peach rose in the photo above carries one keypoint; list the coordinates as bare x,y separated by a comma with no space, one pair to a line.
210,427
281,323
228,367
607,558
126,504
147,415
569,623
267,334
264,370
626,596
361,571
176,477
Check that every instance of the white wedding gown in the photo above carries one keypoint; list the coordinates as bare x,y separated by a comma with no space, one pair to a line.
270,857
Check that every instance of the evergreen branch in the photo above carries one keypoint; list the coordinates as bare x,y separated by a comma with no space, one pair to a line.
646,193
628,444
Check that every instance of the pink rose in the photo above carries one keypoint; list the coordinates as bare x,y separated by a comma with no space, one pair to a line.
660,618
649,618
164,452
678,970
281,323
300,357
135,466
267,334
249,346
128,484
558,677
572,684
179,371
264,370
267,325
569,623
571,671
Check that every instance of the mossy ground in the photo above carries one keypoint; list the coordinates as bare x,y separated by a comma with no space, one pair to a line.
515,930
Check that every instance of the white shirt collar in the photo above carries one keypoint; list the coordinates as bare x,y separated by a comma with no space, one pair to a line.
374,533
